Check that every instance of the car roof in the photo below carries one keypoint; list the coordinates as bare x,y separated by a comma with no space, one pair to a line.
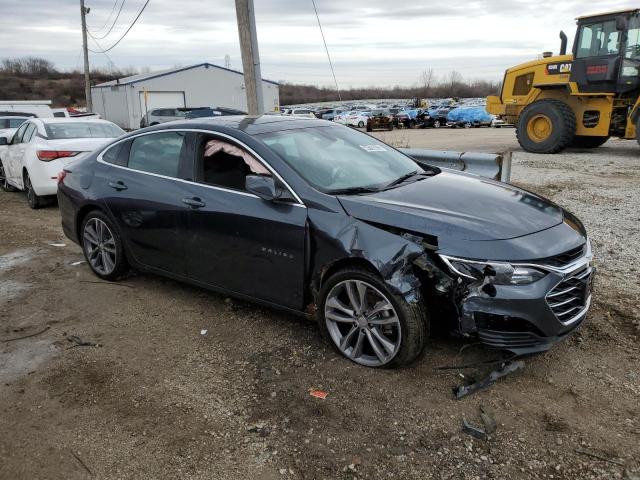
68,119
247,124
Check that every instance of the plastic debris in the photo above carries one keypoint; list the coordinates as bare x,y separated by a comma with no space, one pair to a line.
58,244
473,430
79,262
507,368
203,331
490,425
78,342
318,394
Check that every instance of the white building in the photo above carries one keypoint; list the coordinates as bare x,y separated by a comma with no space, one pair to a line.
204,85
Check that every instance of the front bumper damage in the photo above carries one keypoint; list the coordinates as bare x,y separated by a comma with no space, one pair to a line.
526,319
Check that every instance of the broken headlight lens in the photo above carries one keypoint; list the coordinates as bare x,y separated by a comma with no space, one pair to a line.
499,273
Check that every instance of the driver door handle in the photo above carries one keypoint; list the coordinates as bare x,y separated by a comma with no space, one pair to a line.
194,202
119,185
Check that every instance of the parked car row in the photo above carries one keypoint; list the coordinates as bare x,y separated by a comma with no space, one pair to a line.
372,117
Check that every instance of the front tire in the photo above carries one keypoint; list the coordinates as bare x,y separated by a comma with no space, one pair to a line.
580,141
102,247
4,183
360,124
34,200
546,126
369,324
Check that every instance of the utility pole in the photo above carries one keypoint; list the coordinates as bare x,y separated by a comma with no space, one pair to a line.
87,84
250,56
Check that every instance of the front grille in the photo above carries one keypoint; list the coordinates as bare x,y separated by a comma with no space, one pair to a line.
563,259
570,296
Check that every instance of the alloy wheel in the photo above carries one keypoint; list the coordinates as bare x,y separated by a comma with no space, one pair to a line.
31,194
362,323
99,246
3,178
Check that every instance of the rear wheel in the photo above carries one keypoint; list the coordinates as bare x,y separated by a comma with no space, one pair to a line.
436,124
34,200
369,324
102,247
4,184
546,126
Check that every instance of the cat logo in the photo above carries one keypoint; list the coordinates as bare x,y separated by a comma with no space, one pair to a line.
558,68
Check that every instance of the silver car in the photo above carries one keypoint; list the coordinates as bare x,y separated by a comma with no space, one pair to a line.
162,115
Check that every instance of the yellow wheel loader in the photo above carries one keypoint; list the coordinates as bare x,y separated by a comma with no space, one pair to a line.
579,99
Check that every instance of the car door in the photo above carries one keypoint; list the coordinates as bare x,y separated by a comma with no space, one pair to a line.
239,242
144,189
15,152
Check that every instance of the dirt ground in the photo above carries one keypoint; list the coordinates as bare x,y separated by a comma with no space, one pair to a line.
158,397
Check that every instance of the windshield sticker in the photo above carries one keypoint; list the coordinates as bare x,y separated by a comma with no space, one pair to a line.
373,148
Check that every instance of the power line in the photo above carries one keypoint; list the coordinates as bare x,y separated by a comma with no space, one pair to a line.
115,20
110,14
127,31
100,47
327,50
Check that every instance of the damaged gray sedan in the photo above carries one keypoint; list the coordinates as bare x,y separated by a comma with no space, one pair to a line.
319,219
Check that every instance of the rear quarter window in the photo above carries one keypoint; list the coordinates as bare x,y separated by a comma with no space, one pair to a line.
114,156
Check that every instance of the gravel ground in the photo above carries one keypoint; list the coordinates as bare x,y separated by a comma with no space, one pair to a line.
157,398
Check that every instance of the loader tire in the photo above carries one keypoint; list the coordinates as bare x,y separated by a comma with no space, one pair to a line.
580,141
546,126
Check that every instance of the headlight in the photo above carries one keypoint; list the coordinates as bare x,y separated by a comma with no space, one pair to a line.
500,273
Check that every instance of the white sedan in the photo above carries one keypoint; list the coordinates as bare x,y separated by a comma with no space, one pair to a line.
41,147
358,119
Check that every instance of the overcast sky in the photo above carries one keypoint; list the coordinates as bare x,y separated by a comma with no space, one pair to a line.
372,42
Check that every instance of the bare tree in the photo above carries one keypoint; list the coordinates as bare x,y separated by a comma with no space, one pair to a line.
427,77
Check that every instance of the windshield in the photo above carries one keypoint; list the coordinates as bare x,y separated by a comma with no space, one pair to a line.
58,131
336,158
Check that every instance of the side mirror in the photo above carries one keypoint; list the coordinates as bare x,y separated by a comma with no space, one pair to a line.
4,141
265,187
622,24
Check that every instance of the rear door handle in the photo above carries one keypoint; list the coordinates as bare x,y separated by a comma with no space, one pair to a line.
194,202
119,185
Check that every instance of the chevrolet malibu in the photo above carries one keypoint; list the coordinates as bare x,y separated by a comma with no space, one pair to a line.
321,220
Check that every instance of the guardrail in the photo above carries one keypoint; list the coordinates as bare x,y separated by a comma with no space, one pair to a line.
489,165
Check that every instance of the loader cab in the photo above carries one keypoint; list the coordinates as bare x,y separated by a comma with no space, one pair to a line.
606,53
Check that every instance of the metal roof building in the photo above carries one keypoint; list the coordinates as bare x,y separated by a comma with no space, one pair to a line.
122,101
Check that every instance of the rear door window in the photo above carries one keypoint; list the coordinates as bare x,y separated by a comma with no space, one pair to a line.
158,153
17,137
28,133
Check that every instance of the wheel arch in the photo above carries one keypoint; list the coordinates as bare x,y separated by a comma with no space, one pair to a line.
342,264
82,214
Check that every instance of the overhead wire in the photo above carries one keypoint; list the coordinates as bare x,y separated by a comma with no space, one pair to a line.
115,20
327,50
113,9
103,52
126,32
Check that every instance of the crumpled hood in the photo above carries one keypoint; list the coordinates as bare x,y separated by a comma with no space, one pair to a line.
457,206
